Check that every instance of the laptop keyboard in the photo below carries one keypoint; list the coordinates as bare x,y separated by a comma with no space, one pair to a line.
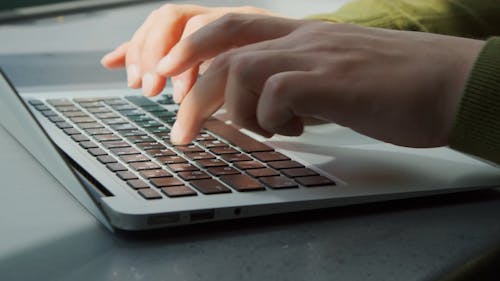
130,136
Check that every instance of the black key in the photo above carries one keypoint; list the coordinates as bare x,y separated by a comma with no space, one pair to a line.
242,182
139,139
90,99
48,113
78,113
200,155
160,152
278,182
158,130
127,175
71,131
109,137
245,165
213,143
193,175
116,167
314,181
97,104
42,107
210,186
150,145
115,121
134,158
115,144
270,156
172,159
82,119
149,194
188,148
182,167
88,144
134,132
220,171
68,108
204,137
123,107
96,110
140,101
106,115
114,101
79,138
264,172
123,127
97,152
224,150
152,174
133,113
125,151
206,163
178,191
149,124
63,125
162,182
235,137
137,184
166,99
55,119
98,131
59,102
35,102
106,159
91,125
298,172
139,166
285,164
235,157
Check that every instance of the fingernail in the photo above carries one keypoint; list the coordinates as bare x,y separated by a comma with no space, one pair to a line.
176,133
147,84
179,90
105,58
132,75
164,64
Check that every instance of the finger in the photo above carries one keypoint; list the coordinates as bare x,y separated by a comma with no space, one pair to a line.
116,58
289,97
164,33
230,31
183,82
198,105
247,75
134,50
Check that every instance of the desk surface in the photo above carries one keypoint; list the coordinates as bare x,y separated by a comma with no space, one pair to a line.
46,234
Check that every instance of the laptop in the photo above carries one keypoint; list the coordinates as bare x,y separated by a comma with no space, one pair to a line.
110,149
14,10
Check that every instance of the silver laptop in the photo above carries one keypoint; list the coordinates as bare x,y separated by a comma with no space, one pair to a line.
110,149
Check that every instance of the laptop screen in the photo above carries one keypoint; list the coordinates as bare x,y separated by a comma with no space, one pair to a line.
12,10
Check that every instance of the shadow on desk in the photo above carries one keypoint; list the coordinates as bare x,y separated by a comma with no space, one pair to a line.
251,244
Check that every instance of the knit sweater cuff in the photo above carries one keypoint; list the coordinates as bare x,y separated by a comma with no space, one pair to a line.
477,126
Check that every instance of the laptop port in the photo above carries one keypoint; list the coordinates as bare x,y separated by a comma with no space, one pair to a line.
202,215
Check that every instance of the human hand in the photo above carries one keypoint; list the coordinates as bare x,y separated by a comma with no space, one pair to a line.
399,87
162,29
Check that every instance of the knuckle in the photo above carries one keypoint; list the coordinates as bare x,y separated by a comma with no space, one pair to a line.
168,8
222,60
277,85
196,21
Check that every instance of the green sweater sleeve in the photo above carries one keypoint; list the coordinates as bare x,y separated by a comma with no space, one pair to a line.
477,126
466,18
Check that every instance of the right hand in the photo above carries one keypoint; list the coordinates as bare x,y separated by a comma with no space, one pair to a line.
161,31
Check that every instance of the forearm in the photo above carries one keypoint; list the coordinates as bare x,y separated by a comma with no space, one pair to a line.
466,18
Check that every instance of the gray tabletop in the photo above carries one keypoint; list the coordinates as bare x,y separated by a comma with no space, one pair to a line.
46,235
